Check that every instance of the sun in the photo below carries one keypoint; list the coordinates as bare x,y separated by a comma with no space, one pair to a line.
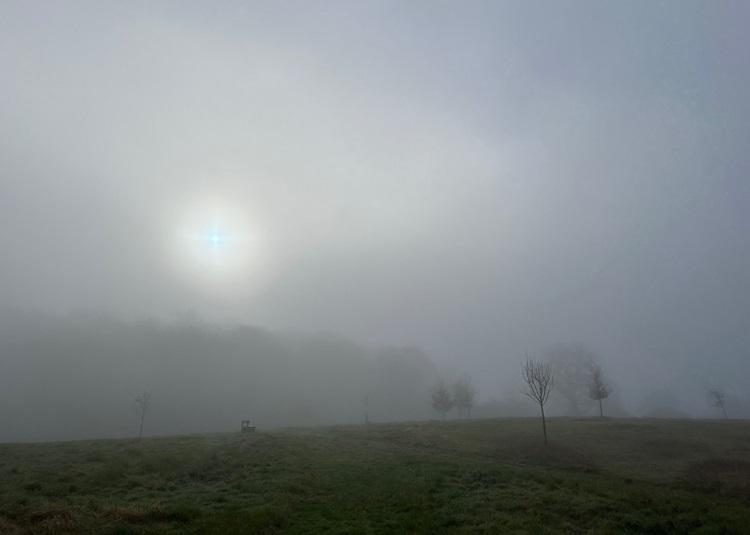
216,243
216,237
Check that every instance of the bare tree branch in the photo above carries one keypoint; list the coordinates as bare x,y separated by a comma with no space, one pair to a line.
598,389
442,401
539,379
464,395
718,399
142,404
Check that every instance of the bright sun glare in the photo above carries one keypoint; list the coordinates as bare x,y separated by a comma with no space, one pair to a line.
217,244
216,237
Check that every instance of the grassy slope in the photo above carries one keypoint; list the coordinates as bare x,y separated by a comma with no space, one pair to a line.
612,476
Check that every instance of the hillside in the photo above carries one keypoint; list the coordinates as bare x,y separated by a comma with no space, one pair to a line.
610,476
76,378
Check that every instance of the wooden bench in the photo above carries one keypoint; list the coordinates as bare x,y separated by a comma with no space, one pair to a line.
246,427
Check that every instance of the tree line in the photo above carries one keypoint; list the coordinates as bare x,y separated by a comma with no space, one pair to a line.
538,383
460,394
572,371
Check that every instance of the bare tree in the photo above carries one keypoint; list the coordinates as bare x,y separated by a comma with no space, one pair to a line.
464,395
718,399
571,364
540,380
366,403
598,388
141,405
442,401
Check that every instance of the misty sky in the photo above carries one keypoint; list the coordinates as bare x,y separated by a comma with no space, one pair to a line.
479,179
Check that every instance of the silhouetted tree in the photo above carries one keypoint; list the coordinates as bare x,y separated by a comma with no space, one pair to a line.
442,401
464,395
142,404
571,364
366,403
718,399
539,379
598,389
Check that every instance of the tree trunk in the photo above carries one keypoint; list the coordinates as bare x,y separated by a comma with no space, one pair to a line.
601,412
725,412
544,424
140,431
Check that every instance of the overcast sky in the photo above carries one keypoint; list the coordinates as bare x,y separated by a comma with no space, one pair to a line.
477,178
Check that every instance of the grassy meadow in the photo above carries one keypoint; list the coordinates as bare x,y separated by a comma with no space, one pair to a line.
479,476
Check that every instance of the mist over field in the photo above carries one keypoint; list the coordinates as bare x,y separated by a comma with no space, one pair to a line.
274,210
77,377
374,267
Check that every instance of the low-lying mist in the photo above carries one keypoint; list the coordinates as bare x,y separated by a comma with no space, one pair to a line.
73,378
78,377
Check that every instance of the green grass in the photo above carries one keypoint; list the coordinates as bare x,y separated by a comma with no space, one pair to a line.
491,476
